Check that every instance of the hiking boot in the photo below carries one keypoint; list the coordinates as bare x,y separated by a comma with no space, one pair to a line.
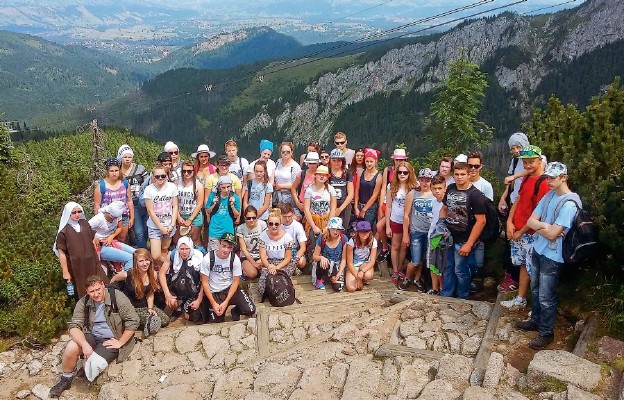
419,286
540,342
508,285
62,385
236,314
526,325
404,284
320,284
383,255
516,302
475,287
433,292
395,277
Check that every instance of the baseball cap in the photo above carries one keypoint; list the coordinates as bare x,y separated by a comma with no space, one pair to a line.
426,173
223,159
230,238
336,153
530,151
164,156
363,226
555,169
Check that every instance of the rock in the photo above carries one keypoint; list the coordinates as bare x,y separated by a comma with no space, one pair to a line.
219,359
559,396
132,370
454,342
299,334
455,368
565,367
229,359
237,332
478,393
610,348
252,326
164,344
504,332
41,391
249,341
430,316
493,371
440,343
482,310
390,378
432,326
278,335
174,392
476,377
338,375
234,385
410,314
512,375
575,393
313,384
413,379
34,367
470,346
313,331
364,379
344,332
511,395
277,379
22,394
286,321
214,344
439,389
258,396
273,321
245,356
110,391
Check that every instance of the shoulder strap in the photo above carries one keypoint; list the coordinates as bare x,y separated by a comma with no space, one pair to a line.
524,179
133,171
322,242
537,184
240,165
232,255
102,187
113,297
249,187
125,182
212,259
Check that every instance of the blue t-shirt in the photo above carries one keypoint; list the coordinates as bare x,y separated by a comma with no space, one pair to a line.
257,195
222,222
333,254
101,330
553,249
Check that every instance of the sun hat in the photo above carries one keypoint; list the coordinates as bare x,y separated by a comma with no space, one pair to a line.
555,169
426,173
363,226
185,230
203,148
169,146
94,366
371,153
312,157
336,153
399,154
230,238
266,145
322,170
224,180
335,223
461,158
530,151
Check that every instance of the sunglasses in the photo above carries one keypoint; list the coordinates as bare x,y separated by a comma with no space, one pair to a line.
286,151
187,171
171,153
337,143
250,218
529,153
402,172
326,156
474,166
76,212
273,224
160,176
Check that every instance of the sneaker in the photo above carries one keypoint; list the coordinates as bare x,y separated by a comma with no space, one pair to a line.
516,302
320,284
383,255
404,284
540,342
507,285
475,287
395,277
419,286
433,292
236,314
61,386
526,325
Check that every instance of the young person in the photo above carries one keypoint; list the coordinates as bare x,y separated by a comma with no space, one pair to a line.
190,202
161,202
164,159
220,276
248,241
258,191
203,166
176,164
180,281
340,141
369,186
312,147
330,256
223,168
275,249
319,203
238,165
304,179
266,151
358,165
551,219
521,237
361,255
464,210
223,208
437,267
444,169
115,188
296,231
417,220
341,180
403,183
107,226
135,174
286,172
324,156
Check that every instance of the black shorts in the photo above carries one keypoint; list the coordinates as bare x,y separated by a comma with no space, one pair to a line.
109,355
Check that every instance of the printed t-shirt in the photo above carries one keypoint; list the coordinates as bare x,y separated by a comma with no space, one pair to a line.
361,255
220,276
252,237
320,201
398,205
257,195
296,231
340,185
422,212
276,249
462,206
239,167
186,197
162,200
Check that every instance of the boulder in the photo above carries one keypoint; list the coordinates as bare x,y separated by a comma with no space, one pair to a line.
439,389
565,367
478,393
187,340
455,368
41,392
110,391
575,393
493,371
277,379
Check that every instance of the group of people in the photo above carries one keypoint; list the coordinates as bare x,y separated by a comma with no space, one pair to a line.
332,214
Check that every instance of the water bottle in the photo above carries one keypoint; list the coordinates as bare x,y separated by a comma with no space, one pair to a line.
70,289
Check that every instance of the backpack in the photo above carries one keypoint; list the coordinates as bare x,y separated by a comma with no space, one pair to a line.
184,283
343,240
279,290
492,229
103,186
580,241
216,208
536,188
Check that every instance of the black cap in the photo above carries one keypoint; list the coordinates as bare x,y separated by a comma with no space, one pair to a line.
164,156
223,159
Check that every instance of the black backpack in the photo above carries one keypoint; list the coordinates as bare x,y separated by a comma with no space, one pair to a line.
279,290
185,283
491,231
580,241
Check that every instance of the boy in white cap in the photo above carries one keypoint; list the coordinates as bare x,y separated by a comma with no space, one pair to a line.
223,209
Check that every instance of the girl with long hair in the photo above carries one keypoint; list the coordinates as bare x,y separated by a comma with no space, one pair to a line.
258,191
330,255
361,254
319,203
342,181
190,203
248,241
113,187
369,186
135,174
286,173
275,249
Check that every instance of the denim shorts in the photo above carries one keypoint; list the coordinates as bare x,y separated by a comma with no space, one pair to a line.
197,221
418,246
154,233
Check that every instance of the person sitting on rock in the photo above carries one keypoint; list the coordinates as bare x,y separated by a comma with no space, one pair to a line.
101,329
220,275
361,256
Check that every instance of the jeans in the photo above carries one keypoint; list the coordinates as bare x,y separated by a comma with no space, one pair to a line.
140,227
476,258
124,255
544,279
449,281
418,246
462,271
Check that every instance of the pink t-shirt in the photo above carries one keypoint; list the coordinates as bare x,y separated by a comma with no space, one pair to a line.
308,180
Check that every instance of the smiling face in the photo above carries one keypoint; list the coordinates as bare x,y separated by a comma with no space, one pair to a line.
531,165
370,163
143,263
203,158
265,154
160,176
321,178
251,219
474,164
273,224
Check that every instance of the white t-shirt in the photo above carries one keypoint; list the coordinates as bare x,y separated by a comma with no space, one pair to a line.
361,255
186,197
296,231
163,203
102,227
319,201
398,205
276,248
485,187
349,154
235,167
286,173
220,275
270,169
252,237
